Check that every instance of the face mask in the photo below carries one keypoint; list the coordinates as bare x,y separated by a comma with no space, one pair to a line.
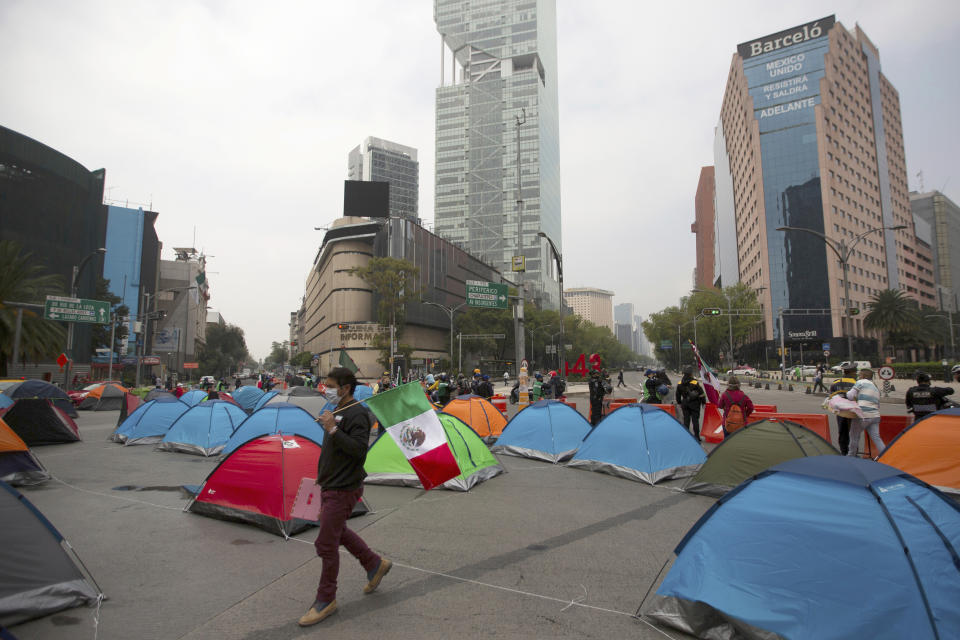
331,395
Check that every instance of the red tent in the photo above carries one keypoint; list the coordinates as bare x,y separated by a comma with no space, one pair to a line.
258,482
38,422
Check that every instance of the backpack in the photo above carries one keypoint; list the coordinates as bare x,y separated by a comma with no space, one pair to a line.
735,418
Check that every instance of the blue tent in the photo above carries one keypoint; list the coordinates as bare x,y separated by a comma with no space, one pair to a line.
640,442
247,397
204,429
194,397
149,422
264,399
820,547
546,430
5,401
279,417
363,392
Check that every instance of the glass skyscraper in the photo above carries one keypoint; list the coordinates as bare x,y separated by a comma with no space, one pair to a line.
498,58
810,137
377,160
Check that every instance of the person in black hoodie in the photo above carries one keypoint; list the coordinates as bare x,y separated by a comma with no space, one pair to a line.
691,397
340,475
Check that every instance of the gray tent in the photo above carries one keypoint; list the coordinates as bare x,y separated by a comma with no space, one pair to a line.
37,577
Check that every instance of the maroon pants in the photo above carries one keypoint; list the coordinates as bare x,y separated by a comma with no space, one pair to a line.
335,508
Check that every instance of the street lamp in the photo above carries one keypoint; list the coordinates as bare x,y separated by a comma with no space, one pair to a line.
77,269
844,251
449,311
559,258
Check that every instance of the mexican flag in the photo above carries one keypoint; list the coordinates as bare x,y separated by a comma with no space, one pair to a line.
707,378
407,416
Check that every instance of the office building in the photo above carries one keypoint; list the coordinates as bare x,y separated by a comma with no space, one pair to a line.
592,304
339,311
52,206
941,217
626,325
810,136
498,61
183,295
704,226
132,263
643,345
376,160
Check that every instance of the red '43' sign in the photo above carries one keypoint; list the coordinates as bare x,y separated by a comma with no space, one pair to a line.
580,366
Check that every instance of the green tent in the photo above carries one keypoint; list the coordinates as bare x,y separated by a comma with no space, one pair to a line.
752,450
386,463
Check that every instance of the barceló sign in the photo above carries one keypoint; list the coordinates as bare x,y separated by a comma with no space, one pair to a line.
786,38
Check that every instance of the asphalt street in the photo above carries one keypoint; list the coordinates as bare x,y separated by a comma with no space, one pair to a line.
543,551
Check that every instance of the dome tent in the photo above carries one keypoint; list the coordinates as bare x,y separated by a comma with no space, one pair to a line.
203,429
479,414
247,397
193,397
386,463
752,450
640,442
148,423
42,389
264,399
821,547
107,397
18,465
39,577
39,422
279,417
546,430
258,483
928,449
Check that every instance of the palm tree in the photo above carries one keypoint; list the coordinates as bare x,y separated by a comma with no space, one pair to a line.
896,317
23,281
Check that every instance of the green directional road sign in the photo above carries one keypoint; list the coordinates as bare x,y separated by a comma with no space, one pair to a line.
76,310
487,295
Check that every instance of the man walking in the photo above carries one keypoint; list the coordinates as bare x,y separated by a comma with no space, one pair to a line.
620,382
841,386
340,475
868,398
818,379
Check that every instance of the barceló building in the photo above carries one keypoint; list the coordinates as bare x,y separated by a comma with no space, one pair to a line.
810,136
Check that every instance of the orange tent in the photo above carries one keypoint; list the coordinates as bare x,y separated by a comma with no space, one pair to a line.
107,396
481,416
18,466
928,450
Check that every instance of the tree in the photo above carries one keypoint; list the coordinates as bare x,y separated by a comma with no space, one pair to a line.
224,350
302,360
277,357
897,318
712,332
100,333
22,280
393,282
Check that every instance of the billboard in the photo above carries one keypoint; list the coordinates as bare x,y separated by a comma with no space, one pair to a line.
167,340
366,199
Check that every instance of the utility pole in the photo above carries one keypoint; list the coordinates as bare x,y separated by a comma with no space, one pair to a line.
113,333
521,346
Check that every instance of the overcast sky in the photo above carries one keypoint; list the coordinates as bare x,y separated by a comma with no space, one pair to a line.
234,119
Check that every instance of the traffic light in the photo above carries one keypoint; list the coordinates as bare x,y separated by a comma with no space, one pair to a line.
853,311
293,343
711,312
343,326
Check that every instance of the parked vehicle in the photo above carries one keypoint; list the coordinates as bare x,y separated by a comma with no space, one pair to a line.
743,370
861,364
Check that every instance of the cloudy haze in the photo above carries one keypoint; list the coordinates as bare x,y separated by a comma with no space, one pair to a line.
234,119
